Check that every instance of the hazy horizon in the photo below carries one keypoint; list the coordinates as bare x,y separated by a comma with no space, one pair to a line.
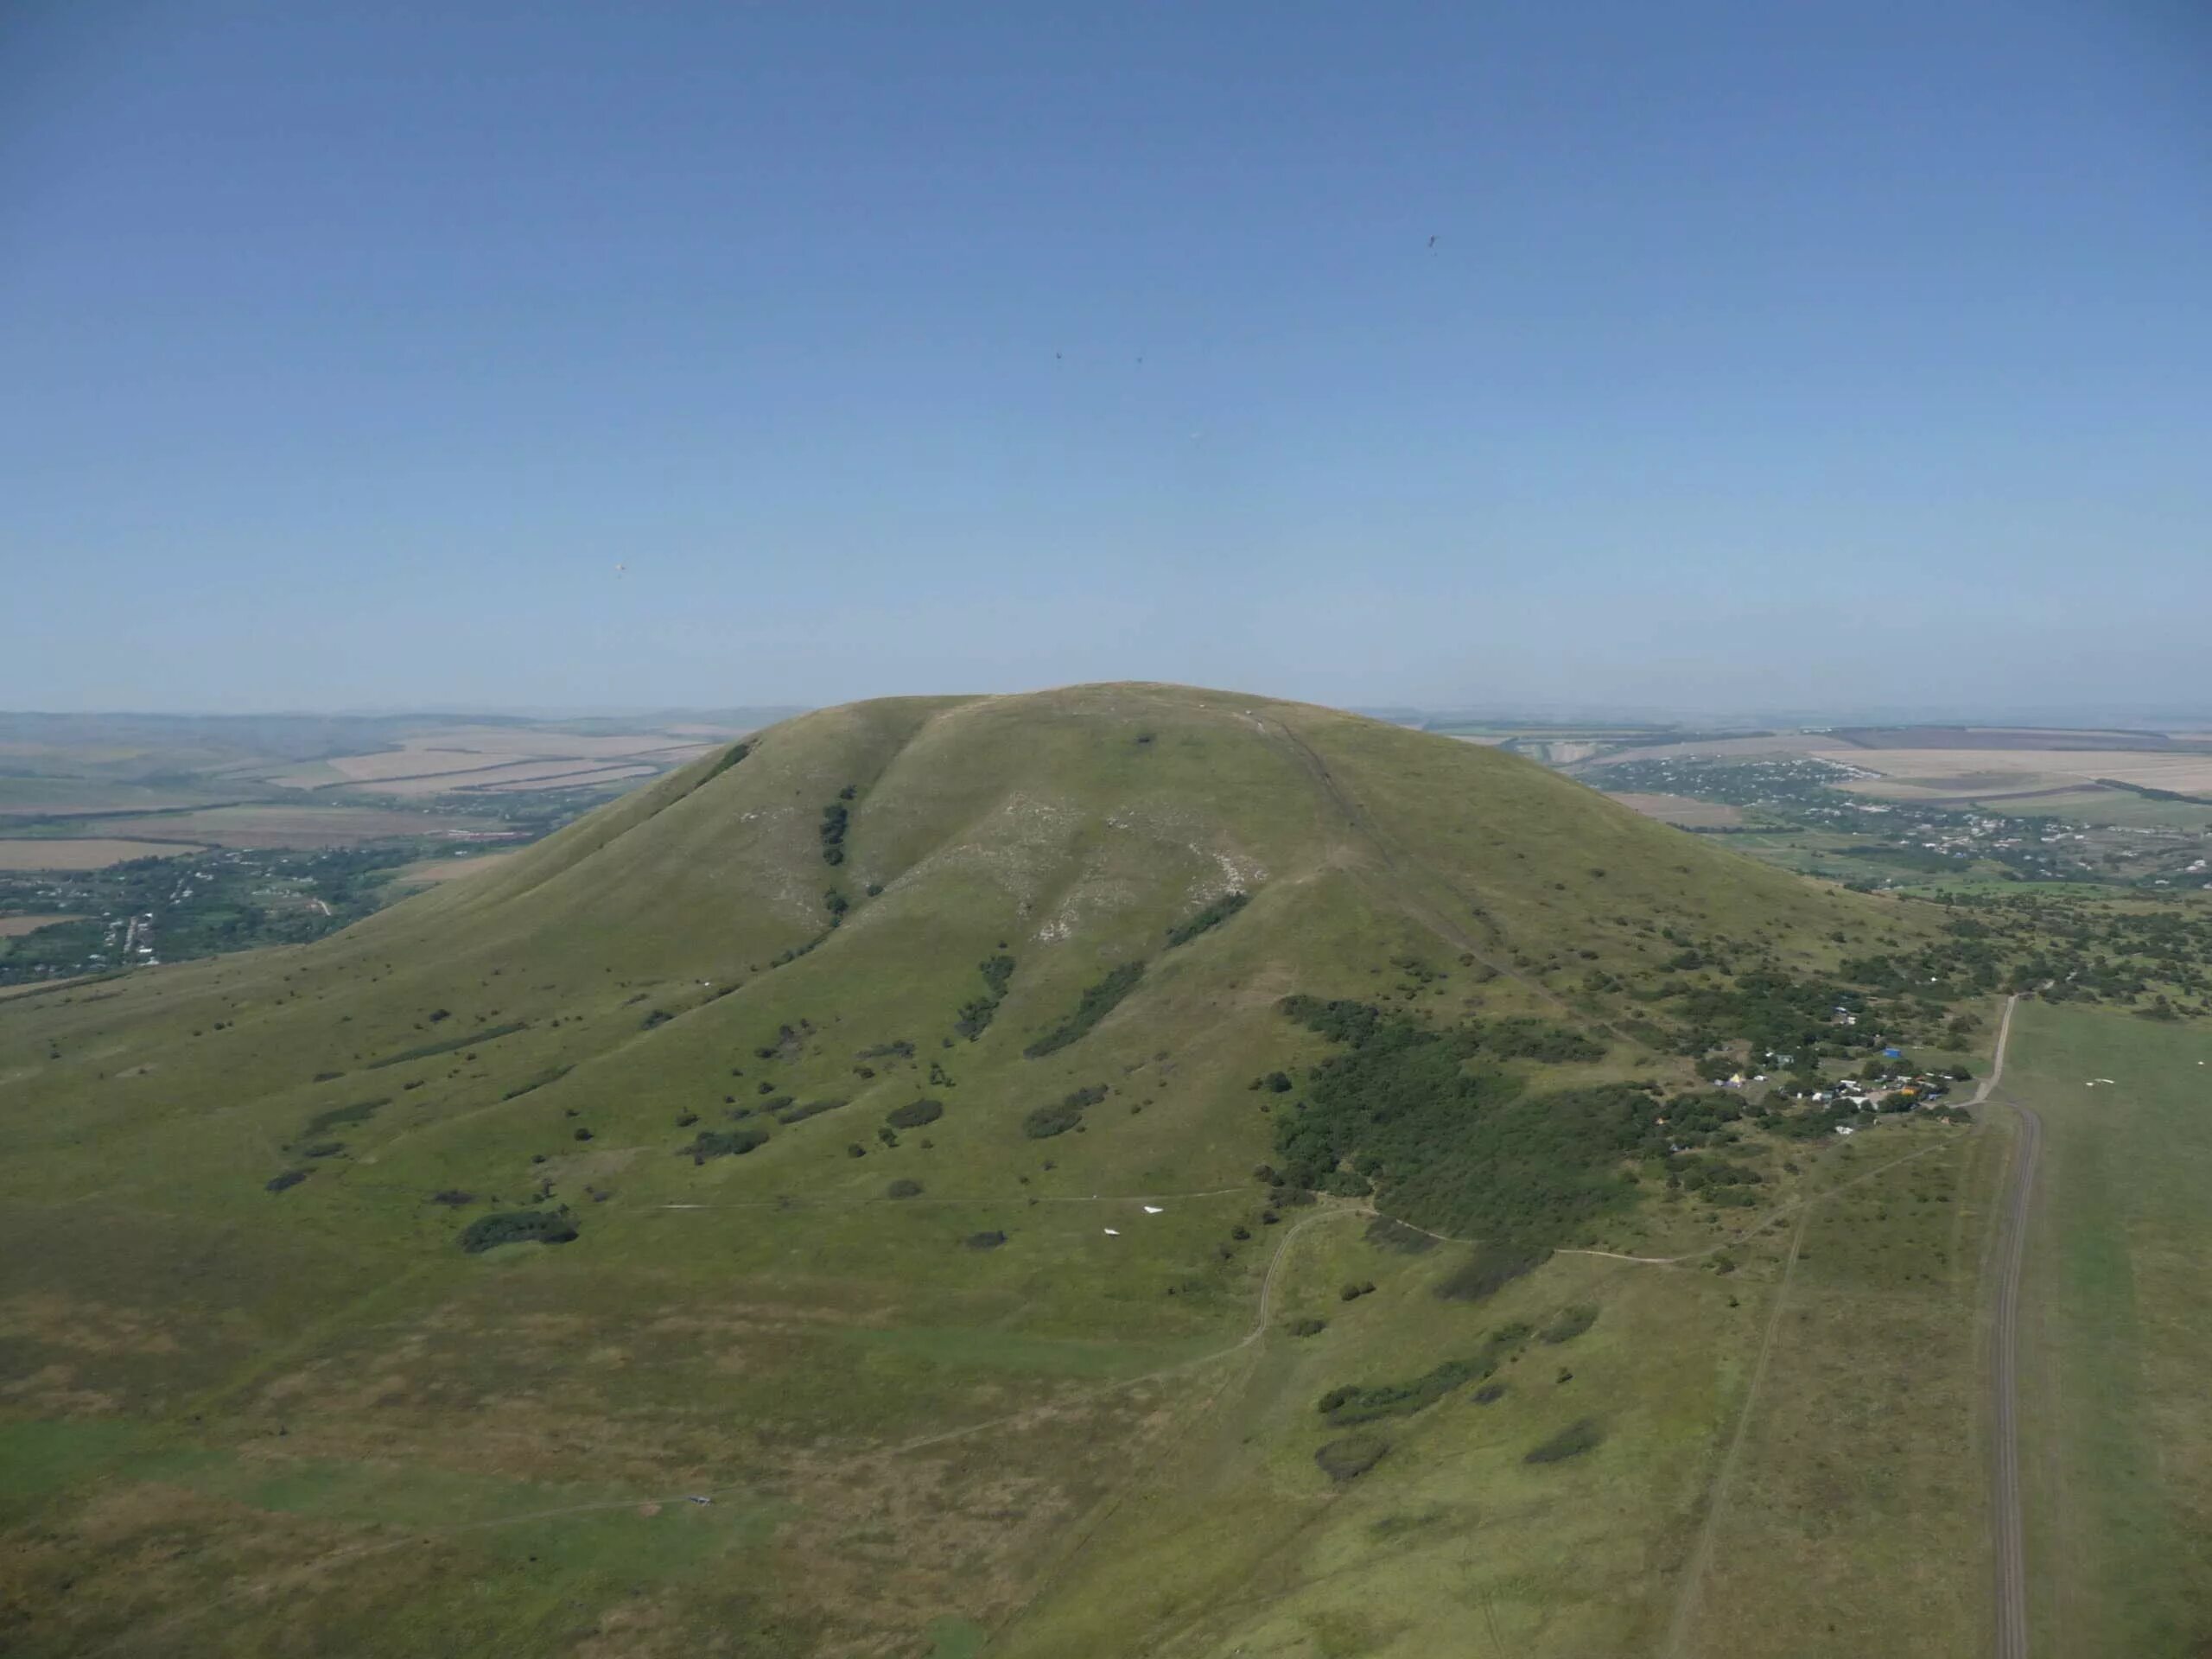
1715,357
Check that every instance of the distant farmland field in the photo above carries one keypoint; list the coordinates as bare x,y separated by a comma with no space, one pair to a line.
307,827
495,756
13,927
1683,812
426,871
1919,773
86,855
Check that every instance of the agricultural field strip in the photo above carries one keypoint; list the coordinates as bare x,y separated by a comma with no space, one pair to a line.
2184,773
2007,1519
1716,1499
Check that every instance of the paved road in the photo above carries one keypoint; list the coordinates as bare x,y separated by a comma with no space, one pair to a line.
2004,1373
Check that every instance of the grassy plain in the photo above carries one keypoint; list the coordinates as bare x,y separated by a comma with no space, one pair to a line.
1052,1398
2116,1416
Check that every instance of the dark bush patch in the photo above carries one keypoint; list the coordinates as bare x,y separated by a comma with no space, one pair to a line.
811,1108
360,1112
1063,1114
424,1052
900,1050
322,1149
730,757
1570,1442
903,1189
914,1114
1352,1456
722,1143
1522,1038
290,1177
583,1134
685,1120
1212,916
327,1077
552,1074
1096,1002
1452,1140
1352,1292
1570,1322
788,1046
1308,1327
975,1016
1490,1394
453,1197
657,1017
516,1227
1352,1403
984,1241
835,821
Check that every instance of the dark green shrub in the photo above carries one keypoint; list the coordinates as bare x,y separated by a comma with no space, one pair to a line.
1308,1327
1352,1456
583,1134
1212,916
811,1108
1490,1394
1096,1003
914,1114
730,757
903,1189
552,1074
984,1241
723,1143
1570,1322
975,1016
453,1197
290,1177
360,1112
323,1149
424,1052
516,1227
1570,1442
835,820
1352,1403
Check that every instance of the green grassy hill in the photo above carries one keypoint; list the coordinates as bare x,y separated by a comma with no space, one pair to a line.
892,1129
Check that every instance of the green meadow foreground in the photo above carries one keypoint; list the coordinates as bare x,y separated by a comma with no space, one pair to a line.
917,1184
2117,1412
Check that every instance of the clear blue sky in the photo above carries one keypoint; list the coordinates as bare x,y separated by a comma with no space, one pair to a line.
1767,354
